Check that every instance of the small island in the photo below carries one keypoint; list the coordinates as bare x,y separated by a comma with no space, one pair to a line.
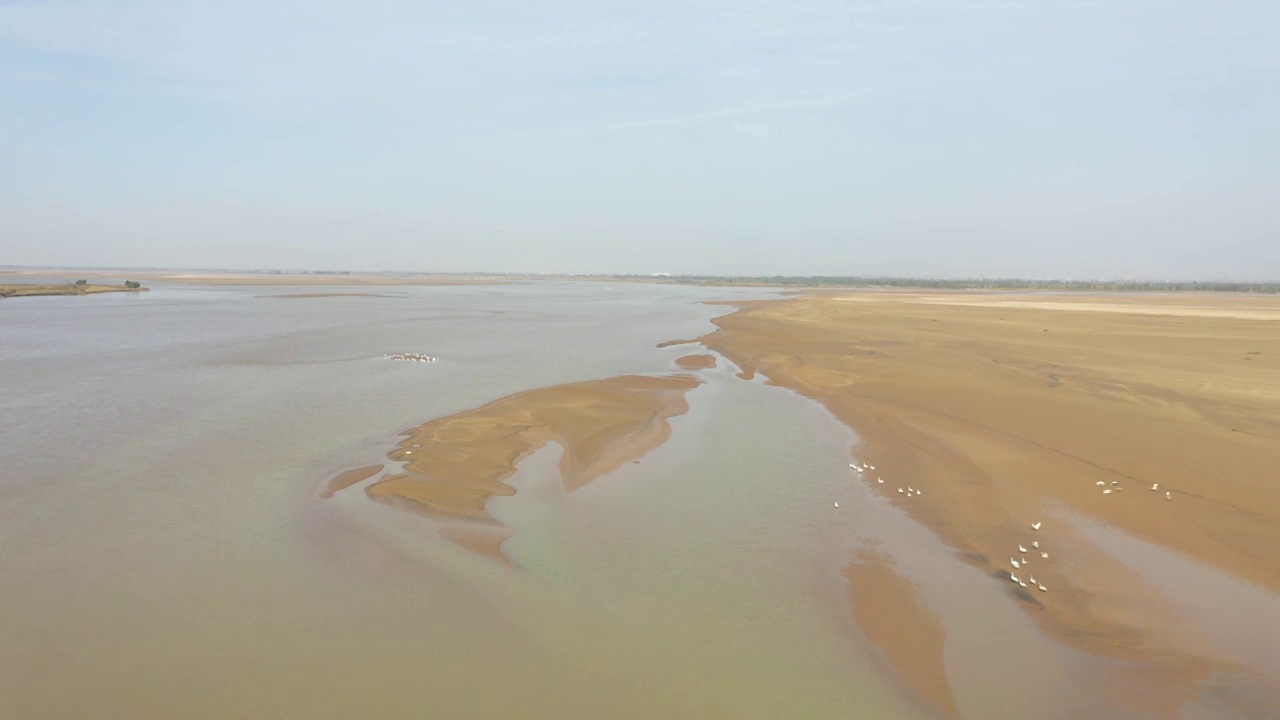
79,287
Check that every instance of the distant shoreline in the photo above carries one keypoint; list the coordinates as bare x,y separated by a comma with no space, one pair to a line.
806,282
32,290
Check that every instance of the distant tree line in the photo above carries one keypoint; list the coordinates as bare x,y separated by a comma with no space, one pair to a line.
960,283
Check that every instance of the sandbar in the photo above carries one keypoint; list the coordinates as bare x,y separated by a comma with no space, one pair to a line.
1010,408
454,464
347,478
885,605
33,290
697,361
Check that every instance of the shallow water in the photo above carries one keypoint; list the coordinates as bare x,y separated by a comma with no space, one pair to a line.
166,554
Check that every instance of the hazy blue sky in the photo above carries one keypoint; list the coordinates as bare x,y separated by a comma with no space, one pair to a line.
943,137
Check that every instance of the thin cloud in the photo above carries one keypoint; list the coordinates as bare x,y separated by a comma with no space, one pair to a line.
744,111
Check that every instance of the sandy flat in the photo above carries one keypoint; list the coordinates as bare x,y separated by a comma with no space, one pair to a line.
1010,408
456,463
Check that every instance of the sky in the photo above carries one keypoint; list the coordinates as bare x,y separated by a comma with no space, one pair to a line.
1046,138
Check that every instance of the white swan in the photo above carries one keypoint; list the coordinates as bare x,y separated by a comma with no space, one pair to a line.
1021,549
1107,491
1035,543
1168,496
1014,563
1044,589
1035,525
1044,555
1155,487
836,503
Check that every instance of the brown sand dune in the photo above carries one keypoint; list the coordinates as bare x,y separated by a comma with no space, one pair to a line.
1005,407
456,463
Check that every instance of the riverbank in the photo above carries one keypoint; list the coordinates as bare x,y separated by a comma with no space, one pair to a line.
1009,410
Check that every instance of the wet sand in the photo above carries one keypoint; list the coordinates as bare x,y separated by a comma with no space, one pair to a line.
454,465
347,478
1007,410
909,646
697,361
302,296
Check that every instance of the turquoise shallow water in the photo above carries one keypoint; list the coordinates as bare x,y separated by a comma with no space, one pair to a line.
166,555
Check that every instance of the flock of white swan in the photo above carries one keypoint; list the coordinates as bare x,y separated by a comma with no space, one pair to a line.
1116,487
1020,562
410,357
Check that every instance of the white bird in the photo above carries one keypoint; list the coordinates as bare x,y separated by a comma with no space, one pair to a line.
1022,583
1035,543
918,493
408,452
1155,487
1044,555
1099,483
837,503
1014,578
871,467
1043,588
1014,563
899,489
880,480
1021,549
1032,579
1115,482
855,467
1168,496
910,489
1107,491
1024,561
1035,526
